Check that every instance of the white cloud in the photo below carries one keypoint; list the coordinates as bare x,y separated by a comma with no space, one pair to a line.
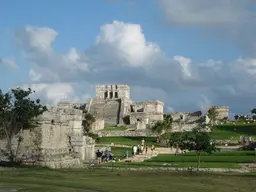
122,55
9,63
129,40
52,93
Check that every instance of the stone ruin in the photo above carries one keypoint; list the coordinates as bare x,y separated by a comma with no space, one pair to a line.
58,140
113,104
223,113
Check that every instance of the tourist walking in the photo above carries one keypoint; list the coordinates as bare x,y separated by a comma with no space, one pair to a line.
98,156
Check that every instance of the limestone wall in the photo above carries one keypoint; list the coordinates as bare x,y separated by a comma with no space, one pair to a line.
109,110
182,127
223,112
58,139
98,125
139,116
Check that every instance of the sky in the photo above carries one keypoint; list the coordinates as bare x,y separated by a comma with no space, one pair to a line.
187,53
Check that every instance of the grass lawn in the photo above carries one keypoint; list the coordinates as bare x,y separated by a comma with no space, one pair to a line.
223,132
227,131
119,152
232,157
221,159
173,164
127,140
214,159
68,180
109,128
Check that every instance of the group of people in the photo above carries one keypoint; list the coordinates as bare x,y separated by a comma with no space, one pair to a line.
103,156
141,148
243,140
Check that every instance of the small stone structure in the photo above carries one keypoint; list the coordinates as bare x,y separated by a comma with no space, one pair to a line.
58,140
113,104
223,113
186,121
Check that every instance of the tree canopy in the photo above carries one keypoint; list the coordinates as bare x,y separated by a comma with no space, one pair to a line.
17,112
196,140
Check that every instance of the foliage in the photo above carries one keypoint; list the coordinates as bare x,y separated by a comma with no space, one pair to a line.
196,141
253,111
94,136
87,123
162,126
17,112
212,114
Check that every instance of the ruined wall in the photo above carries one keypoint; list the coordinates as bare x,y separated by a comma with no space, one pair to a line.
109,110
58,139
98,125
136,133
113,91
138,116
223,112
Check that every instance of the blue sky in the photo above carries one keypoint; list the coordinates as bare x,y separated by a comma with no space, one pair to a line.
217,33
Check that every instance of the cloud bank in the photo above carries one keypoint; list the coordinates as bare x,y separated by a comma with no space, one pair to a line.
122,54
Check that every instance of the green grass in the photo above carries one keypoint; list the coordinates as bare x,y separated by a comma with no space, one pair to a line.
130,141
119,152
110,128
172,164
224,153
31,180
227,131
214,159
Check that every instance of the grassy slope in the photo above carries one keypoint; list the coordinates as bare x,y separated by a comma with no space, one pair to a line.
104,180
172,164
109,128
222,159
225,132
127,140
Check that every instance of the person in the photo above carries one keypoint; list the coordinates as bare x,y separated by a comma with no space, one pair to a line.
146,149
135,150
127,154
250,139
98,156
244,140
108,154
241,140
142,142
152,148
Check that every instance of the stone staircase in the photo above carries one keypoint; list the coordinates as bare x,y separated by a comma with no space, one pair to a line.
140,157
149,155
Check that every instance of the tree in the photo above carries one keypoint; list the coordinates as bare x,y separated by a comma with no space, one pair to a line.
17,112
87,123
212,114
161,127
194,141
253,111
